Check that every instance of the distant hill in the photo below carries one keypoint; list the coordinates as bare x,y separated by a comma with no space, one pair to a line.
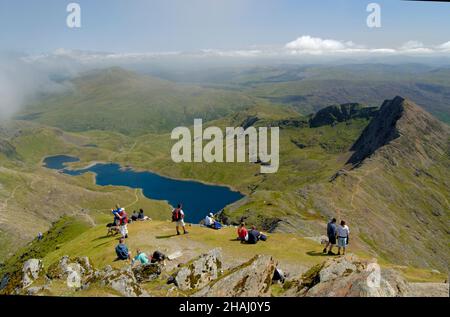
123,101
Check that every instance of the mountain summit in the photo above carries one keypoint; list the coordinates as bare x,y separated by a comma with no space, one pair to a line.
407,128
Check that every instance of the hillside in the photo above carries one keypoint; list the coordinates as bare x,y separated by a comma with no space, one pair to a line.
225,262
395,189
122,101
400,189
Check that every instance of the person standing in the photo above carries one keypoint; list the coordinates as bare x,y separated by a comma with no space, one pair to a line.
342,233
178,218
123,223
331,233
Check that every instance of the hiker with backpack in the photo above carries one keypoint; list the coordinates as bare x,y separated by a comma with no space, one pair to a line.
331,233
342,235
178,218
123,223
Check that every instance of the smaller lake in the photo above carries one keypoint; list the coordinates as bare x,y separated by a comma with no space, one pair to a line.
198,199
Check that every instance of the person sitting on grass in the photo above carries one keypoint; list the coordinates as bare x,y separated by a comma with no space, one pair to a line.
209,220
253,236
122,250
242,232
141,215
159,257
141,257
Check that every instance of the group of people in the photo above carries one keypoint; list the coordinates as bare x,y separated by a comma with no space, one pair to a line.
339,233
141,257
121,219
251,236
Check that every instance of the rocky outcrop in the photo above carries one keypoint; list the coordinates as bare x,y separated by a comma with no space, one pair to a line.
349,276
32,270
199,272
403,120
428,290
122,281
252,279
147,273
341,113
78,272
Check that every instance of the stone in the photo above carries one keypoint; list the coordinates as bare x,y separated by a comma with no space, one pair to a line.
147,272
77,271
348,276
252,279
200,272
124,282
31,271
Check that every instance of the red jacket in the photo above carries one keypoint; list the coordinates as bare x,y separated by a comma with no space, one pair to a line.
123,218
242,232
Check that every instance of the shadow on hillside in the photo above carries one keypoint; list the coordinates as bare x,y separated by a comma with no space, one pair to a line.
103,237
316,253
166,236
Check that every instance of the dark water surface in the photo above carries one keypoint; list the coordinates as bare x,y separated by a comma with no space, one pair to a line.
198,199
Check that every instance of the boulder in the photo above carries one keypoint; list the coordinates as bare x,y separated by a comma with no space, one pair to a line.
147,272
252,279
348,276
31,271
199,272
78,272
123,281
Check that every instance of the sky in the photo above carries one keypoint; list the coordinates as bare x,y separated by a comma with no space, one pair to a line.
141,26
38,49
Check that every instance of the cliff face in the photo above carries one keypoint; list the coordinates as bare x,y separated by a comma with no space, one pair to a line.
416,133
340,113
395,187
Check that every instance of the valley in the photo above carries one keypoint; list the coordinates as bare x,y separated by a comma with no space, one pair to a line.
383,167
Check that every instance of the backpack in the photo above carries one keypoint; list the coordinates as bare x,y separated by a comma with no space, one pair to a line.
176,214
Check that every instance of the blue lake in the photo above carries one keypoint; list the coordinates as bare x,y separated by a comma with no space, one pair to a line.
198,199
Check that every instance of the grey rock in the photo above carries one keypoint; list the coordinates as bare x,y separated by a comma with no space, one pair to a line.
200,272
124,282
31,271
252,279
147,272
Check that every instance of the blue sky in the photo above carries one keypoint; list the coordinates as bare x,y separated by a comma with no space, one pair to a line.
186,25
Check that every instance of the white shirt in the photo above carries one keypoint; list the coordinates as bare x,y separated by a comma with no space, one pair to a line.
343,231
181,213
208,221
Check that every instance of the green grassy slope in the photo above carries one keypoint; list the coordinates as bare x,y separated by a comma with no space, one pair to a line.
122,101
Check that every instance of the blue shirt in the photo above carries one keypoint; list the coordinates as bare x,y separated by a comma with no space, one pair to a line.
122,251
331,229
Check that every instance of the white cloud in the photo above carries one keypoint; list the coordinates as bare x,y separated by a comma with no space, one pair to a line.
307,44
